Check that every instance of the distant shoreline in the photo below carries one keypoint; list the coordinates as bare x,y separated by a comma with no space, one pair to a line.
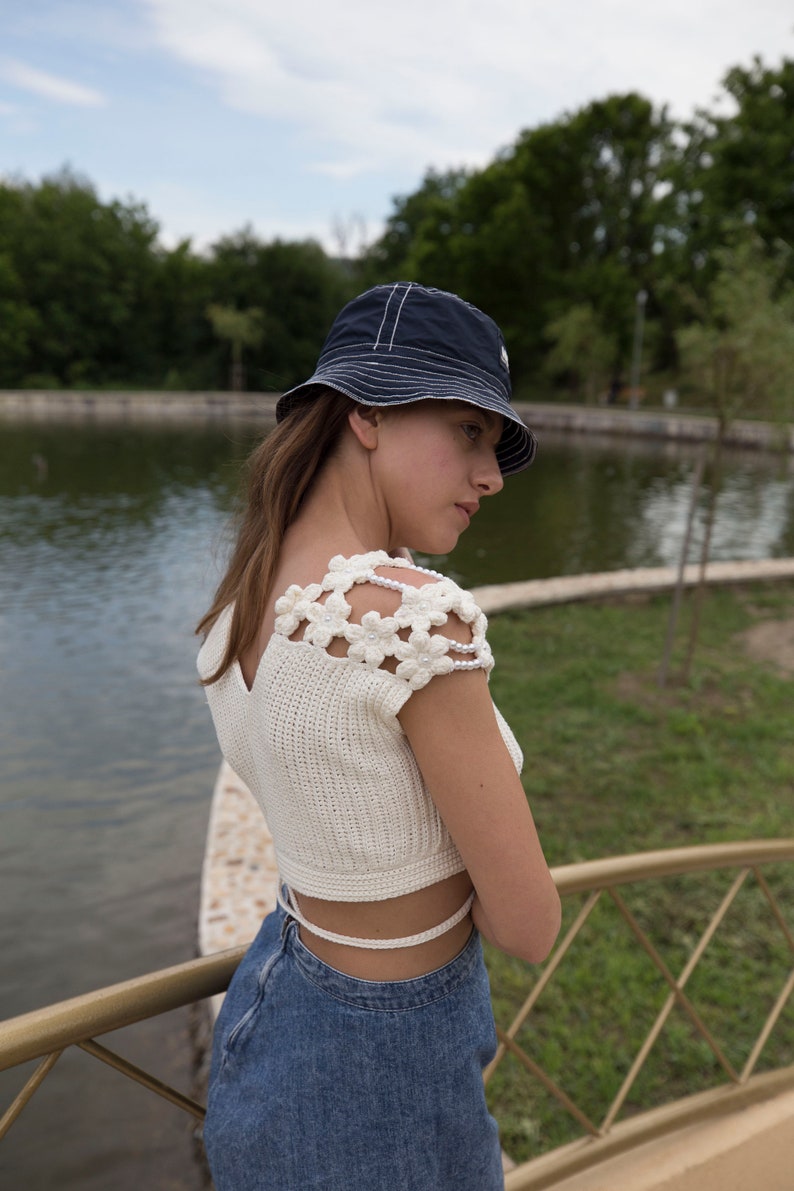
73,406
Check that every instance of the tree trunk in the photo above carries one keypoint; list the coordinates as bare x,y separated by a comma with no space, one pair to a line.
700,588
679,586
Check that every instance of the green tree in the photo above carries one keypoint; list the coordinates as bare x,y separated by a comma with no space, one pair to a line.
576,212
187,352
89,297
420,224
86,269
581,349
242,328
737,168
741,357
740,354
19,326
299,290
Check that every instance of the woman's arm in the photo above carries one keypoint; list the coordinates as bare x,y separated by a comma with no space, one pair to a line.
452,729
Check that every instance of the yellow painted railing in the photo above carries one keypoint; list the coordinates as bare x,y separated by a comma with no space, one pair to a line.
603,1137
45,1033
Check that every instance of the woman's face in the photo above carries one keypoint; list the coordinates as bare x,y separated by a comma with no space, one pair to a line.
433,463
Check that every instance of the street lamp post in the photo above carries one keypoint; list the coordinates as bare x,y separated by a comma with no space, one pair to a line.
636,359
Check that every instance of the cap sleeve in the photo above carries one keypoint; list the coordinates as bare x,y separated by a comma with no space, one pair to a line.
422,613
412,635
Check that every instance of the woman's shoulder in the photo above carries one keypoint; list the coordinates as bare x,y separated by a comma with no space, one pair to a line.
388,613
391,572
435,623
418,596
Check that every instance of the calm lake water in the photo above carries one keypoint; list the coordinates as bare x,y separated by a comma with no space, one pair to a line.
111,540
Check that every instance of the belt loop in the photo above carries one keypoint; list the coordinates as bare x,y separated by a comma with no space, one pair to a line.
285,901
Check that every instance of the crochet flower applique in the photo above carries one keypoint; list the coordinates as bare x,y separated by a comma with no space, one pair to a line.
293,607
343,572
372,641
422,608
326,621
424,654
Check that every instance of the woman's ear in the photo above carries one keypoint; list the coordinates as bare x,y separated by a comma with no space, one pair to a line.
364,421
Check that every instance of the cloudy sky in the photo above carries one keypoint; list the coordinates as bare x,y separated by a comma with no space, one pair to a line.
306,117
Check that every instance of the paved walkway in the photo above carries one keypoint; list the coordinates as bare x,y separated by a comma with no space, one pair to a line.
751,1149
566,588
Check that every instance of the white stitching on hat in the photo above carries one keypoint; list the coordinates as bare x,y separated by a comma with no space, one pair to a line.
413,356
385,312
399,312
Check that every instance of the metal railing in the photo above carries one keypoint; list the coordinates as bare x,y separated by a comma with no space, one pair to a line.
45,1033
604,1136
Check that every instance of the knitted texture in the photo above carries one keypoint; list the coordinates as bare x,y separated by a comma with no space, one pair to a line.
317,739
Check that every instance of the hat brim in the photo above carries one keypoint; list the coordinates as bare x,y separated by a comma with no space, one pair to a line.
399,378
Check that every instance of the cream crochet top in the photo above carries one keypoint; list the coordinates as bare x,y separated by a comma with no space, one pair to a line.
317,739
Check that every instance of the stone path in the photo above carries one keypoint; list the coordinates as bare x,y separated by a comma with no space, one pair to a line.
565,588
749,1149
239,876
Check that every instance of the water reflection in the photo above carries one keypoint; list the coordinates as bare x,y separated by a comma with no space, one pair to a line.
599,506
108,494
109,551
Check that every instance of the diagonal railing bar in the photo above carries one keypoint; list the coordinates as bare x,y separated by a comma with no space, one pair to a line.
669,1004
770,897
23,1098
45,1033
785,992
548,1083
680,995
91,1047
551,967
767,1028
626,870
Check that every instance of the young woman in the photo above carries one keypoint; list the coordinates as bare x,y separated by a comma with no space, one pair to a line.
349,690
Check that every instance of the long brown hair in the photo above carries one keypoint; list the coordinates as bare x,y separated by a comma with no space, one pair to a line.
280,472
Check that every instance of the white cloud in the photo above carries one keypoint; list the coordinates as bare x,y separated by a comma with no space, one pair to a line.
50,86
449,82
284,114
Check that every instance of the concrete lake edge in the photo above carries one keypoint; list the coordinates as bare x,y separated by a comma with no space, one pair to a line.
43,406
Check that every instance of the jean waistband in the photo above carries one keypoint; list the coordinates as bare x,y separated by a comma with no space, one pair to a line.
383,994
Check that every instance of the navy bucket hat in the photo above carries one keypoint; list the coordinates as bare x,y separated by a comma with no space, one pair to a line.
404,342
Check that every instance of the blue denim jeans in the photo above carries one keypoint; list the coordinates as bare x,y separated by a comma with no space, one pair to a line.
320,1080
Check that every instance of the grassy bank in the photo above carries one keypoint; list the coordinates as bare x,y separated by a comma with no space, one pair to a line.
614,765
